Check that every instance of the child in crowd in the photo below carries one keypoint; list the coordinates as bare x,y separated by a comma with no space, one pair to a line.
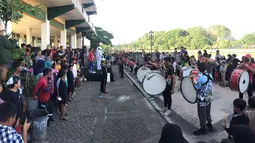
58,64
7,120
104,77
239,117
70,81
13,94
62,92
223,70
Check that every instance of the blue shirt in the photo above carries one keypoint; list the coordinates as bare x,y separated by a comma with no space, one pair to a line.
204,89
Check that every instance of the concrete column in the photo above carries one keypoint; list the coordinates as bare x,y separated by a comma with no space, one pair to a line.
29,36
21,39
79,42
45,34
35,42
56,41
74,41
63,38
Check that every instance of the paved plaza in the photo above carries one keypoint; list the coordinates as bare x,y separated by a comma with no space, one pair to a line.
122,116
127,115
185,115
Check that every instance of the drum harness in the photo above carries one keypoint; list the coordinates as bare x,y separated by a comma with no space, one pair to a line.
208,79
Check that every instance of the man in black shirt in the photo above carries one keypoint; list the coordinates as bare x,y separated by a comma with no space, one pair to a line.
239,117
170,85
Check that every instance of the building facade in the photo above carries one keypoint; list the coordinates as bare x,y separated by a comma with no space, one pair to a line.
60,23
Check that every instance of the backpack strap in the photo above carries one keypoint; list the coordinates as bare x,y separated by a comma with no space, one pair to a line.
208,79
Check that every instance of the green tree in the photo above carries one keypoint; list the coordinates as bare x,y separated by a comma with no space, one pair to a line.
102,36
248,39
12,10
199,38
219,32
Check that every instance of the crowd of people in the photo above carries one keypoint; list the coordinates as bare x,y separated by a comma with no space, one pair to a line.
57,72
218,70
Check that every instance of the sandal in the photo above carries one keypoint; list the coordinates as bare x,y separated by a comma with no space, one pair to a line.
63,119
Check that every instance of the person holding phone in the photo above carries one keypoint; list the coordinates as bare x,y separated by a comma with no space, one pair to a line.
7,120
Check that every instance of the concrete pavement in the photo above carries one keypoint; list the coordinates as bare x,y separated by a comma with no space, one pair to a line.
185,114
122,116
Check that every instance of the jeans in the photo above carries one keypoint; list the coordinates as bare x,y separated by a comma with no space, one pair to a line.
46,106
103,83
249,91
167,97
204,114
91,67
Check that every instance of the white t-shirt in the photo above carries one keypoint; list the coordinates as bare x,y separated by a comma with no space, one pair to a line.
57,85
174,65
74,70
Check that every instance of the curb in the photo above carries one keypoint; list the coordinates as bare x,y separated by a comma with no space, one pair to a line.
146,96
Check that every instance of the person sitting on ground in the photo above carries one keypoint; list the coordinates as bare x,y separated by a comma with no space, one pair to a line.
172,133
7,119
250,113
239,117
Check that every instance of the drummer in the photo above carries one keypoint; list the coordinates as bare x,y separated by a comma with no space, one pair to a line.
203,86
170,85
153,64
250,68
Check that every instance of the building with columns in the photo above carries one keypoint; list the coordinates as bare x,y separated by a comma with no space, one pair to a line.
63,23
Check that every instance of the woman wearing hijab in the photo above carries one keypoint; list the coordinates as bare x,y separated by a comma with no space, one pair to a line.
172,133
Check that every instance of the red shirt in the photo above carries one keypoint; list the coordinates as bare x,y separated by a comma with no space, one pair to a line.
250,73
44,90
91,56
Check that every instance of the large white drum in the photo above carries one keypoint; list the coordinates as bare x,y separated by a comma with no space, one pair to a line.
154,83
141,72
185,71
188,90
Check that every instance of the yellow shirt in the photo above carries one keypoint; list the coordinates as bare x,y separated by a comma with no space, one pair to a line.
58,67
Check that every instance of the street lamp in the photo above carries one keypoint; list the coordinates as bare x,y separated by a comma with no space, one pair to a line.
151,38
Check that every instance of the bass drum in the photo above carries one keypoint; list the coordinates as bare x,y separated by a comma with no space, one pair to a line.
188,90
185,71
154,83
141,72
239,80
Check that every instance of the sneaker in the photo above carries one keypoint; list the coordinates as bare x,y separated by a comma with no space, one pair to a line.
210,127
164,109
51,118
93,72
167,112
200,132
59,98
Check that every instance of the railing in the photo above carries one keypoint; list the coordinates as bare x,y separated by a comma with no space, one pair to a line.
80,8
78,5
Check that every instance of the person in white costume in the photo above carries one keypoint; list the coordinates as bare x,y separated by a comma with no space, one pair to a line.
99,54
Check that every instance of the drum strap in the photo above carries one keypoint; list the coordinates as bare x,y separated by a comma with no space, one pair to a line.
208,79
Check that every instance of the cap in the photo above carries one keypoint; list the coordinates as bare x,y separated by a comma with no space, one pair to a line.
247,56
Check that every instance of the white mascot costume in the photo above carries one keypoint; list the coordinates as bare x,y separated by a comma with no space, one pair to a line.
99,54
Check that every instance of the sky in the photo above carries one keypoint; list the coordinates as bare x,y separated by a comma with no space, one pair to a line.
129,20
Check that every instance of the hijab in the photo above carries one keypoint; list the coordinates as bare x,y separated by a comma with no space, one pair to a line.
172,133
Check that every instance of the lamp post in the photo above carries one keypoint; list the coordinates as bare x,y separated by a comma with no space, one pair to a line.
151,38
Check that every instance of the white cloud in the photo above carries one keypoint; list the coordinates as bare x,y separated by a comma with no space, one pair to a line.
130,19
